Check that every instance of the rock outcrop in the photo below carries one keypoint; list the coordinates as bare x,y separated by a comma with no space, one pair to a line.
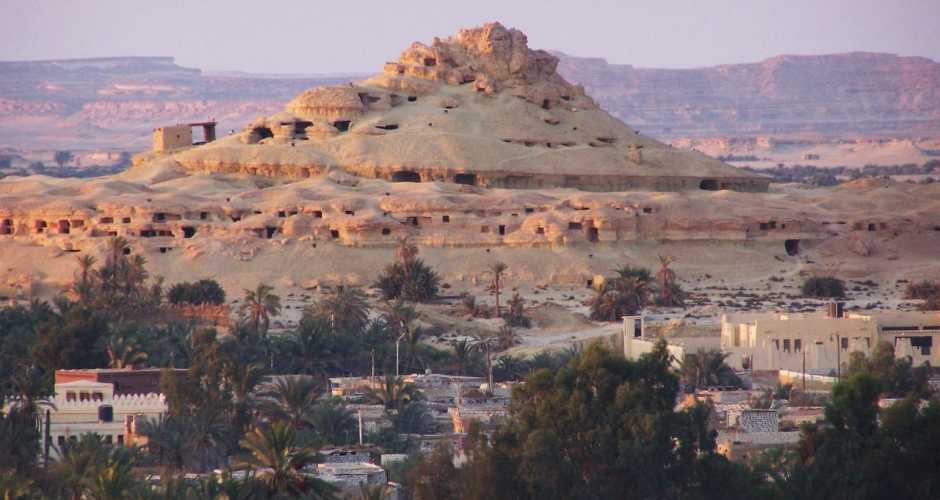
481,109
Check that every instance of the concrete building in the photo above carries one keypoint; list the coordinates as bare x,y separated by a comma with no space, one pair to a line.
87,406
636,343
821,342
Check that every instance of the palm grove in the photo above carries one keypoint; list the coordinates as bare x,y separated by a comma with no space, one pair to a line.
584,424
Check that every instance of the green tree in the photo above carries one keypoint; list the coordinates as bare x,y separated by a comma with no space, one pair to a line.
274,453
705,368
497,270
823,287
124,351
259,306
897,376
516,317
63,157
618,297
394,393
289,399
204,291
409,278
345,309
602,426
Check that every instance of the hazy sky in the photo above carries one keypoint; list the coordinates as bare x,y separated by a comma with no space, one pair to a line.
298,36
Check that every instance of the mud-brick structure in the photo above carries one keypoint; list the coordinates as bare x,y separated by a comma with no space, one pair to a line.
172,137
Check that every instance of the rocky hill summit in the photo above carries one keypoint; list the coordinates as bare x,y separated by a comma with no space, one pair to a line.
480,108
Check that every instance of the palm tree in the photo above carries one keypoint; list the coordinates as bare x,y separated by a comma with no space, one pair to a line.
123,351
618,297
83,285
405,251
114,481
463,356
707,368
394,393
398,316
484,342
510,367
331,421
497,270
290,399
241,380
506,338
670,294
309,343
345,309
258,307
167,440
78,464
274,453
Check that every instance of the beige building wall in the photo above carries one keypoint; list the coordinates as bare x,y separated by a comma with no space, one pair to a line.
821,343
75,412
172,137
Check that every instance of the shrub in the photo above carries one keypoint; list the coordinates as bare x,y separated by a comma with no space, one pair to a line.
515,316
924,290
201,292
824,286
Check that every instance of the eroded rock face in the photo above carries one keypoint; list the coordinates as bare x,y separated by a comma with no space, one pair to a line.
492,58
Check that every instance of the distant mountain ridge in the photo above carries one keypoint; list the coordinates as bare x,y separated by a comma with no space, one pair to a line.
114,102
837,95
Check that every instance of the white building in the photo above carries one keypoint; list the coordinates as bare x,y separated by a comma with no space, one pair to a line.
821,342
85,406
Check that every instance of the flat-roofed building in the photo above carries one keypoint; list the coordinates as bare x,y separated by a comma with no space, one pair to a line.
820,342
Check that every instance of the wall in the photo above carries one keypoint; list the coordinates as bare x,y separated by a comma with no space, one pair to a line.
172,137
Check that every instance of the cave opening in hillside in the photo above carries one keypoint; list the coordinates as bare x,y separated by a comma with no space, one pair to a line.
64,227
502,230
300,126
261,133
430,61
872,227
546,104
593,234
342,125
406,176
708,185
388,126
189,231
574,226
386,231
468,179
269,231
792,247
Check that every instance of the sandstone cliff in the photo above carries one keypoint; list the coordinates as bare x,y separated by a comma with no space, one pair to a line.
832,95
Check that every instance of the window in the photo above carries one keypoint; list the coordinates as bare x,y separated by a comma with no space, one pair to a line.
120,439
797,345
108,439
786,345
60,442
84,396
845,343
776,345
97,396
445,218
70,396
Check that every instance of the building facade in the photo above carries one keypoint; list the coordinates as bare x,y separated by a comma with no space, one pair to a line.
821,343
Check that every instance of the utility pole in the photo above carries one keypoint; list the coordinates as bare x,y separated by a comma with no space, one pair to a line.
46,442
360,427
397,343
804,369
